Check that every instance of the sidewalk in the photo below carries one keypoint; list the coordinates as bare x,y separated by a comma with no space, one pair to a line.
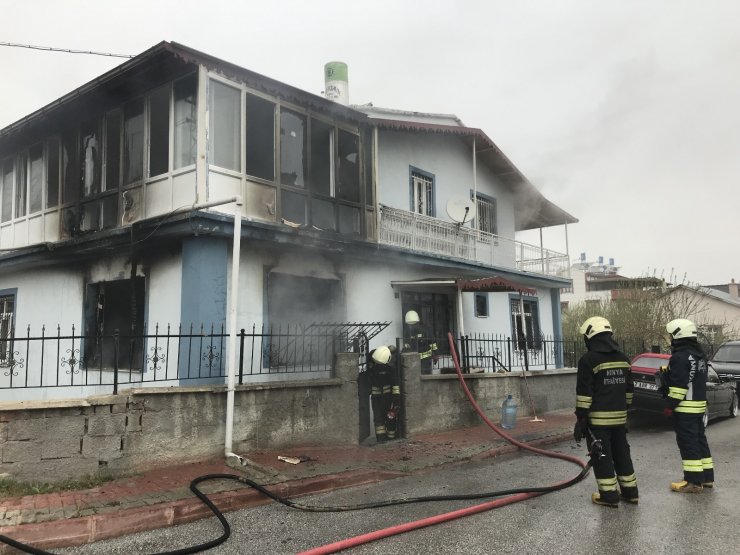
162,497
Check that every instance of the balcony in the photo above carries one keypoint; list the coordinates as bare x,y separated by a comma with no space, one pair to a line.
428,235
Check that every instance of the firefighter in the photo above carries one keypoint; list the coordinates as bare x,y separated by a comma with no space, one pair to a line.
385,393
686,399
603,394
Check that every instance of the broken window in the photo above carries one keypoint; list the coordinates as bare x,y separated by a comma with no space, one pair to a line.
20,186
293,207
7,325
224,126
186,119
110,307
6,213
91,155
322,154
349,220
159,132
52,173
70,168
348,167
260,140
112,150
133,142
531,324
292,149
322,215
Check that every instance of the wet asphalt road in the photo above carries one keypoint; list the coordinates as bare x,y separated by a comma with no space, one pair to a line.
560,522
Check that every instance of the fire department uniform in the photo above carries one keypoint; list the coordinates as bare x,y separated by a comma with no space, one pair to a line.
686,380
603,393
385,397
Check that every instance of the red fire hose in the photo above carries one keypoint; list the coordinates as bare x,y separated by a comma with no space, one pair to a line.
430,521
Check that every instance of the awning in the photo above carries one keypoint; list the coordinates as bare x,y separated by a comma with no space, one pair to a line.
492,284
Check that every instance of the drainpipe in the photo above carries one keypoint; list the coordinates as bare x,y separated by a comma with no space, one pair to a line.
235,253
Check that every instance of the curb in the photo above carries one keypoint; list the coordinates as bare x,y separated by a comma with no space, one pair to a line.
82,530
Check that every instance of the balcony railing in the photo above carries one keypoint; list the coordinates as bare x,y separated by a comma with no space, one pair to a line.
417,232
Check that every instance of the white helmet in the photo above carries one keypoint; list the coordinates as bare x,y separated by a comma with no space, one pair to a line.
382,355
412,317
681,328
594,326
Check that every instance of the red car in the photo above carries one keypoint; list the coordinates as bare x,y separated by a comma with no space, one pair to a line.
721,395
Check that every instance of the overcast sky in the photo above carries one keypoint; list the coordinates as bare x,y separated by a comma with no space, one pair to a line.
625,114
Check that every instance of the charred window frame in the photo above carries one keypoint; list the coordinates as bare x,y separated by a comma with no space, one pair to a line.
53,173
259,143
531,323
185,128
159,102
7,195
110,307
7,325
421,191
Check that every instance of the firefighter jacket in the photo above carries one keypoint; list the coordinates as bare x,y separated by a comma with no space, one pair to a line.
604,383
687,377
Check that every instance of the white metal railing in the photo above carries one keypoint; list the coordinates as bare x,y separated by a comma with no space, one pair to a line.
418,232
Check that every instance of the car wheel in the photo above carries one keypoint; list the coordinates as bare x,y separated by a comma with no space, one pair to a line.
705,418
733,406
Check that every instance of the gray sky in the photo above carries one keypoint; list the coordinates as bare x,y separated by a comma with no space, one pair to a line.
626,114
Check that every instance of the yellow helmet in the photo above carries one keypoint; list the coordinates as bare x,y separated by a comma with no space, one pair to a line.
594,326
681,328
412,317
382,355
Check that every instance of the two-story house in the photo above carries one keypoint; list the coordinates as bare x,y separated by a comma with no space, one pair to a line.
117,213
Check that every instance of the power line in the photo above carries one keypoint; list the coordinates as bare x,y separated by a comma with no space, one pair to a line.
66,50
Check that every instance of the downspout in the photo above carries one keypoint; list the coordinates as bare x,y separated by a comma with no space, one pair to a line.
460,323
542,253
475,183
376,200
233,303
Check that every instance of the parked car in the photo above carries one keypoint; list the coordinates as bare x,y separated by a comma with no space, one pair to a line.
721,394
726,361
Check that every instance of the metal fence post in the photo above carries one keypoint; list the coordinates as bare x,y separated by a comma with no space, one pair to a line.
116,335
241,356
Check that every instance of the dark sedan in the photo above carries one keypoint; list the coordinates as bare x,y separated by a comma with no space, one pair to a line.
721,395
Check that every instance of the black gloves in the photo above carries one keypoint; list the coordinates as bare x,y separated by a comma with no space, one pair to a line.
579,430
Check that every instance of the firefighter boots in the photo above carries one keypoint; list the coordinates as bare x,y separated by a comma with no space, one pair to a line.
596,498
686,487
627,499
707,484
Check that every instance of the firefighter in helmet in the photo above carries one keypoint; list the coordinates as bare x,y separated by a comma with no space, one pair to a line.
603,393
415,343
685,391
385,392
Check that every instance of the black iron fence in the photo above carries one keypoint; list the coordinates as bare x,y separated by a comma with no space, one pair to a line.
171,355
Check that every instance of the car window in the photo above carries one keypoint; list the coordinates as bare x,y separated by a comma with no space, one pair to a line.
650,362
727,353
712,376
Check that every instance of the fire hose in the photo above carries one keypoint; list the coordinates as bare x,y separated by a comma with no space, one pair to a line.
507,496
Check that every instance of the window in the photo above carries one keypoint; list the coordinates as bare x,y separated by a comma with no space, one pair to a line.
260,140
348,170
159,132
531,324
322,155
91,154
224,126
422,192
133,142
292,149
112,306
6,213
7,325
113,151
486,214
52,173
35,178
186,121
20,185
70,167
481,305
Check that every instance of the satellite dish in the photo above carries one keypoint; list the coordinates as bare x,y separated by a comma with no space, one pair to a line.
461,209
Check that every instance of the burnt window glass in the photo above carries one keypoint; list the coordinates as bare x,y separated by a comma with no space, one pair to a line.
260,141
20,186
293,206
70,168
186,121
159,132
292,149
90,145
348,170
110,212
52,173
322,215
322,152
133,142
35,178
349,220
6,213
225,126
112,151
